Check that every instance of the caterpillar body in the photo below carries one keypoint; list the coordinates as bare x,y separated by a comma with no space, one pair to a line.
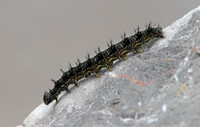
102,59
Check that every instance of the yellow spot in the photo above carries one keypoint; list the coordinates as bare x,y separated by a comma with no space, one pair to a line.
183,90
97,75
165,60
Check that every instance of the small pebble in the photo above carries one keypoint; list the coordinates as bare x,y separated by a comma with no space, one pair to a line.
164,108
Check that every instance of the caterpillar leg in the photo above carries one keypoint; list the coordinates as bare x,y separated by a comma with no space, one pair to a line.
138,50
65,87
109,67
97,75
68,90
76,83
123,56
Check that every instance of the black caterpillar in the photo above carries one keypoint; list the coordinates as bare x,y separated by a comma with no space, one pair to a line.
101,60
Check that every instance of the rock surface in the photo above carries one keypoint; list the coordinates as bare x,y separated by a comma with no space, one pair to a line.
157,88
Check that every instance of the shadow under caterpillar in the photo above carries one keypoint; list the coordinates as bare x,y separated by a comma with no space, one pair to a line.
102,59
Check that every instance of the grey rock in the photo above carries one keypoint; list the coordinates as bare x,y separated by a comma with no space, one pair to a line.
157,88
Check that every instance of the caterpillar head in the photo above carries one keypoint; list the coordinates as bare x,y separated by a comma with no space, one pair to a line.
158,32
48,97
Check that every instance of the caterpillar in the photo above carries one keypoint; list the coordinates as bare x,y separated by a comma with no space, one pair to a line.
102,59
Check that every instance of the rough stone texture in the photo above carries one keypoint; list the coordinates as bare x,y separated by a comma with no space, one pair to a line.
157,88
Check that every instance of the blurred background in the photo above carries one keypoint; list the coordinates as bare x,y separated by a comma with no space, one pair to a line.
39,37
